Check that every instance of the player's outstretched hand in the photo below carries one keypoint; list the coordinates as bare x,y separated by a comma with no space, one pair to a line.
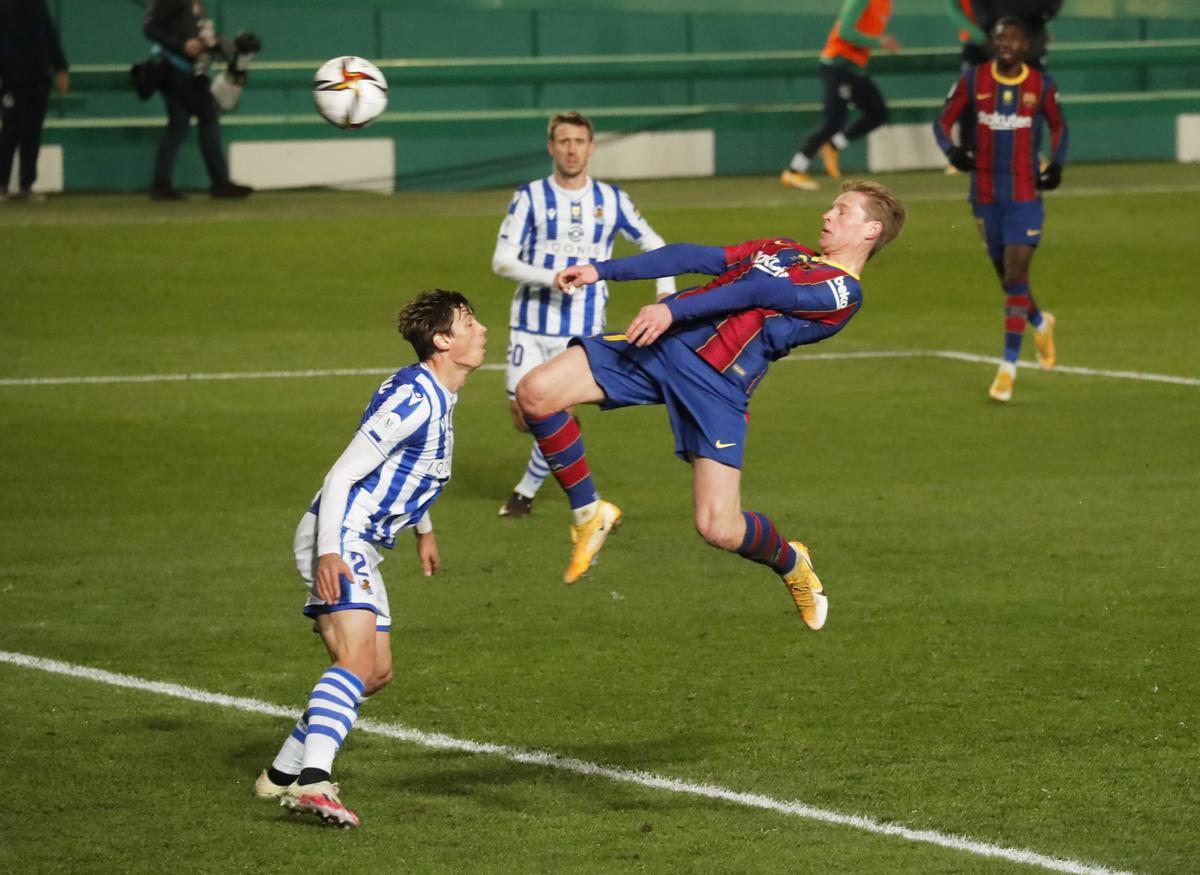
330,570
571,278
962,159
649,324
1050,178
427,552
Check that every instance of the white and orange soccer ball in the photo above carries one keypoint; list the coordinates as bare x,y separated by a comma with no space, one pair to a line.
350,92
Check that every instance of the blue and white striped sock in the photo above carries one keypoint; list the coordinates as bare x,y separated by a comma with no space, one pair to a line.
536,473
291,755
332,710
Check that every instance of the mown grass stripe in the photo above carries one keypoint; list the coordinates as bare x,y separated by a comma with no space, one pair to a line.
581,767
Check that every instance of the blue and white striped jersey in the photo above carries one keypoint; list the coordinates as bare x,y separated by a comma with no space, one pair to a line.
548,228
409,427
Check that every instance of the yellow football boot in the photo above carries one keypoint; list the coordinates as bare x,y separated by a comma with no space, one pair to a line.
804,585
829,157
1046,354
792,179
589,537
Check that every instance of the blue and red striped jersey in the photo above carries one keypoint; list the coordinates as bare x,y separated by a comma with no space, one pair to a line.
1008,115
767,297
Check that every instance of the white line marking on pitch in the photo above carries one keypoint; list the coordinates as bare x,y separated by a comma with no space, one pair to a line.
359,372
580,767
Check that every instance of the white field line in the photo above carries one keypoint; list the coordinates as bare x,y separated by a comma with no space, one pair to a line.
577,766
357,372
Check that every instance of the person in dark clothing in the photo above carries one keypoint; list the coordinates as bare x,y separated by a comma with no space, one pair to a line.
31,58
1033,14
179,41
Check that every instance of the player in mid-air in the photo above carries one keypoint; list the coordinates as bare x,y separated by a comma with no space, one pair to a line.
388,477
563,219
1007,101
701,353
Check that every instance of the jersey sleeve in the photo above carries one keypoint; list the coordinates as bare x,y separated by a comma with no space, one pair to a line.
956,103
634,227
847,24
389,426
358,460
515,230
742,251
758,289
1057,122
672,259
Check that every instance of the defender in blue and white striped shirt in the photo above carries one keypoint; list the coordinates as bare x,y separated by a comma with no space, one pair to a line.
386,480
564,219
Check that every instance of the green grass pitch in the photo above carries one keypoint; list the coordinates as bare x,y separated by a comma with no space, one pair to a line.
1011,654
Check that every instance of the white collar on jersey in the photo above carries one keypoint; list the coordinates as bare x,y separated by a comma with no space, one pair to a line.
572,194
451,397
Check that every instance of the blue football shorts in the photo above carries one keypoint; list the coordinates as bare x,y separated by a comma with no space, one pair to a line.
1011,224
366,592
707,412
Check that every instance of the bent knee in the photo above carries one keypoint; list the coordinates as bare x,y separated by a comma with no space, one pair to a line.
531,396
377,683
720,532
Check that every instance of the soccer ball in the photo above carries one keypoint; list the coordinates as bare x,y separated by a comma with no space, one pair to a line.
349,92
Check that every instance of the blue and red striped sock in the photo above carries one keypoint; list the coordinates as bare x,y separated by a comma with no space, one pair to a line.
558,438
763,544
1016,313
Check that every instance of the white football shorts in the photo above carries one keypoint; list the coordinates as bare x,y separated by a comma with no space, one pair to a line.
526,351
365,592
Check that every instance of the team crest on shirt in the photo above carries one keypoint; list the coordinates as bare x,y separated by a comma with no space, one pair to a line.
598,213
1029,98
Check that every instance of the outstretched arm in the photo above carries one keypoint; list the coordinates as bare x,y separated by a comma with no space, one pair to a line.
757,290
671,260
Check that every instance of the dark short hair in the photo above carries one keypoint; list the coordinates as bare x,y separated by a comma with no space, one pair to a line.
570,118
429,313
1011,21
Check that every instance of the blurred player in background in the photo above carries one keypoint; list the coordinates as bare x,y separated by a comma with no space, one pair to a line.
388,477
972,37
31,58
1008,100
859,29
701,353
1034,15
183,38
564,219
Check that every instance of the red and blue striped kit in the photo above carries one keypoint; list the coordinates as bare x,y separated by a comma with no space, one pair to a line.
1007,114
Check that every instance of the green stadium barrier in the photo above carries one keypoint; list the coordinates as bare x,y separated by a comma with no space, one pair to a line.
1125,69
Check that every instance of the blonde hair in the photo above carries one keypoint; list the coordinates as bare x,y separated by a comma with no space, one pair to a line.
570,118
881,206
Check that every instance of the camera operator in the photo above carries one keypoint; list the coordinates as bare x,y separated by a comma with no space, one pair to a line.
183,40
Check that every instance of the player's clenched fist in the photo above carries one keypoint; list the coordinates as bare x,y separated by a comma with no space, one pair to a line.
571,278
650,322
330,571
